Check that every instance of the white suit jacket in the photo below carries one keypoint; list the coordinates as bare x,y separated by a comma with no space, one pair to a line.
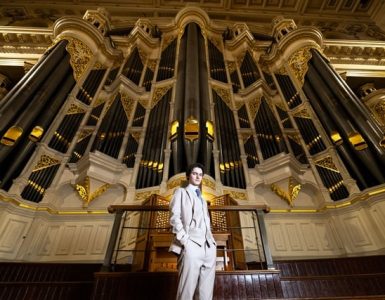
182,215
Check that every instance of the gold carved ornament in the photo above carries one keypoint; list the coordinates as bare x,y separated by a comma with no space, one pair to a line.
128,104
298,63
84,191
291,194
159,93
45,161
379,109
327,163
236,195
254,107
80,56
224,94
231,66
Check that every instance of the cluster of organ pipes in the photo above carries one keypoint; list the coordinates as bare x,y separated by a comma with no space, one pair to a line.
203,119
268,132
133,67
152,163
217,63
88,90
249,70
167,62
289,91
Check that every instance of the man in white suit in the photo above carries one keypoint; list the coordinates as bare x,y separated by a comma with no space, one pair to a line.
193,242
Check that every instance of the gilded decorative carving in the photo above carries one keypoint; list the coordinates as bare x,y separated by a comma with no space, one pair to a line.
98,66
281,106
175,183
84,191
295,138
98,101
224,94
231,66
74,109
246,136
302,114
236,195
379,109
136,135
45,162
292,193
169,39
144,195
80,56
327,163
151,64
254,107
85,133
128,104
298,62
158,94
208,183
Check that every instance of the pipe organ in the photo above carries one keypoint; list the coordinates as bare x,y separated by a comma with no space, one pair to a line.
152,99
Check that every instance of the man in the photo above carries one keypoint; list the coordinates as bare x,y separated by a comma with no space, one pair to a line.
193,242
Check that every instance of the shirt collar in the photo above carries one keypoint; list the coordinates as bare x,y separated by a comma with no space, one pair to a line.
192,187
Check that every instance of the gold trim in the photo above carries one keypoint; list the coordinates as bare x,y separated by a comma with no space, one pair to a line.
45,162
128,104
80,56
291,194
159,93
254,107
84,191
362,197
359,198
327,163
298,63
224,94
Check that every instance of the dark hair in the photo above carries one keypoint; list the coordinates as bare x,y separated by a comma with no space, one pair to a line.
192,166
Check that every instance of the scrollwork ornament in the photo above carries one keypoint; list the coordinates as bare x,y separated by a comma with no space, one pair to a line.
128,104
158,94
298,63
231,65
254,107
327,163
80,56
83,190
74,109
292,193
224,94
302,114
44,162
379,109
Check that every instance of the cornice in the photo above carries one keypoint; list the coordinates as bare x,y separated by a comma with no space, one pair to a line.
28,42
355,52
76,27
293,41
24,40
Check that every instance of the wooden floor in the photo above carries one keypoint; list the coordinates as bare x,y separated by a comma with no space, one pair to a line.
346,278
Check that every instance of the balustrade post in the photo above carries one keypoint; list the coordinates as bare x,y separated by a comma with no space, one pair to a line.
265,244
106,267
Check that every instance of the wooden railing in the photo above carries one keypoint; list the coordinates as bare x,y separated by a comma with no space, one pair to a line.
153,236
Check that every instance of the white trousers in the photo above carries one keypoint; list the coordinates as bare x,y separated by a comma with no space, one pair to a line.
196,271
